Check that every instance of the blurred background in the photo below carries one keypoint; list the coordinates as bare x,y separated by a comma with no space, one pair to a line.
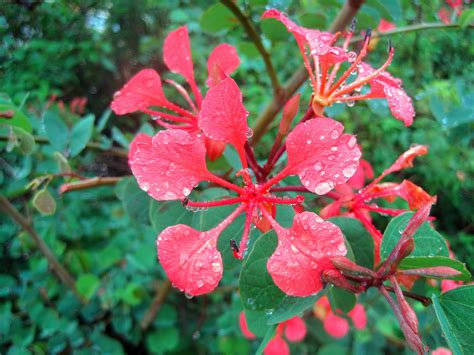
60,64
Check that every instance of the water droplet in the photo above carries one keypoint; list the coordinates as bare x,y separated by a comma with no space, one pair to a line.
249,133
117,94
323,187
186,191
306,183
318,166
145,186
351,56
216,267
341,247
350,103
334,134
294,249
334,149
199,283
349,170
322,137
309,141
351,143
188,295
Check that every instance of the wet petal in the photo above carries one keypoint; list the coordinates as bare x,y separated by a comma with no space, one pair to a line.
223,116
335,326
385,26
222,61
177,53
168,165
321,155
358,315
142,91
277,346
244,327
214,149
295,329
400,104
303,253
190,258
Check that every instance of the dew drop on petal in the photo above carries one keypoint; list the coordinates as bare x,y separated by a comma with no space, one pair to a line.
334,134
351,143
309,141
188,295
186,191
216,266
199,283
318,166
349,170
341,247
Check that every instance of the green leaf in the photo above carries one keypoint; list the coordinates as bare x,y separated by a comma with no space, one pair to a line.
455,312
87,285
56,130
24,141
233,345
274,30
216,18
428,242
361,242
63,164
467,18
44,202
120,138
341,299
169,213
81,134
103,120
426,262
19,119
259,293
136,202
266,339
162,340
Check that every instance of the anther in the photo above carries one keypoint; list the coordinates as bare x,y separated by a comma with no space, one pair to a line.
352,26
368,34
390,47
185,201
235,249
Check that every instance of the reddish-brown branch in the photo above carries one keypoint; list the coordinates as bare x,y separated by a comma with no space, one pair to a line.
88,184
62,274
155,306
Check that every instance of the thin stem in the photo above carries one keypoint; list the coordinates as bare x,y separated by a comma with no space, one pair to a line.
63,275
219,181
155,306
382,210
88,183
345,16
169,116
184,94
225,202
254,36
246,233
290,188
426,301
284,201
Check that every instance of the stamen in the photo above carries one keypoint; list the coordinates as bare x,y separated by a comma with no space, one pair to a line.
246,233
169,116
183,93
235,249
382,210
230,201
219,181
245,174
284,200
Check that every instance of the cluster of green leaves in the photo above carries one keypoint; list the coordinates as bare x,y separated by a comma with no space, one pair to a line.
105,236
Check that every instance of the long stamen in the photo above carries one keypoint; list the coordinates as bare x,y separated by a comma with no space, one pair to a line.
246,233
229,219
284,201
274,180
173,126
324,74
276,226
230,201
308,66
374,232
382,210
183,93
219,181
168,116
365,80
351,68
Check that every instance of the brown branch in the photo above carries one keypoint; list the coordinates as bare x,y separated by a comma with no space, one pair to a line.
158,300
88,183
254,36
63,275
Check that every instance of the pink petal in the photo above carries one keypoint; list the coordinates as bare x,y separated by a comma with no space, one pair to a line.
225,58
168,165
244,327
359,318
177,54
303,253
444,15
321,155
441,351
400,104
295,329
335,326
223,116
190,258
385,26
406,159
448,285
142,91
277,346
214,149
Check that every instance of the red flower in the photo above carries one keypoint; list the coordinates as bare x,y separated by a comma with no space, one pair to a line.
385,26
358,204
337,326
441,351
294,330
144,91
327,60
170,164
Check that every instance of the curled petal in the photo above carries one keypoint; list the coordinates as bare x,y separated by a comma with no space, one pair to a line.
363,172
406,159
277,346
142,91
190,258
335,326
223,116
321,155
177,53
222,61
214,149
295,329
358,316
168,165
414,195
385,26
303,253
244,327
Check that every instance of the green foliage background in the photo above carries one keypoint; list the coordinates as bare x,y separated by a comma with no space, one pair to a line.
106,236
